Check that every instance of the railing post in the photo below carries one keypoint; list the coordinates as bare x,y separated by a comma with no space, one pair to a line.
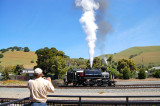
80,101
127,103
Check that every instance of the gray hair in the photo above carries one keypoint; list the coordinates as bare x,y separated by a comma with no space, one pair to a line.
36,75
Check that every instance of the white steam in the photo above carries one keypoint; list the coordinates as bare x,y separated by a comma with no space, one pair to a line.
105,59
88,22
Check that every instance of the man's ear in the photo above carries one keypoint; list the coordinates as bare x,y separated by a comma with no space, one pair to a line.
41,74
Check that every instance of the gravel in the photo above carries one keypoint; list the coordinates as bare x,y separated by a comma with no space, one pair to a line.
24,92
136,82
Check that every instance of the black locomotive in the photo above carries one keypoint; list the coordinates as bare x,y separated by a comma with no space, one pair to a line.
88,77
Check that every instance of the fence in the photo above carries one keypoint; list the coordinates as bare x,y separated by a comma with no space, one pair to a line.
127,101
14,102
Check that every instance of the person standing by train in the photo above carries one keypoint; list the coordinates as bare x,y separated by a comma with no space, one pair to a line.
38,88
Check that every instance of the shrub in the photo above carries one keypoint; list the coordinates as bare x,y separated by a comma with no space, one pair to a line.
3,50
1,68
26,49
1,55
157,74
32,61
134,75
114,72
142,74
126,73
82,66
5,73
18,69
120,76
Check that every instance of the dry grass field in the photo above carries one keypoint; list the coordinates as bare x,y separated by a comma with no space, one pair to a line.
145,55
19,57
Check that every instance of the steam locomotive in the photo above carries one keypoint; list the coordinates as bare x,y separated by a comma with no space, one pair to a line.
88,77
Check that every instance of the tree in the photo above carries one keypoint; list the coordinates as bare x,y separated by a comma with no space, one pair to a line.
121,65
51,61
3,50
114,72
97,62
157,74
126,63
1,68
126,73
131,56
78,62
142,74
81,58
5,73
18,69
26,49
110,59
1,55
82,66
59,65
88,64
32,61
16,48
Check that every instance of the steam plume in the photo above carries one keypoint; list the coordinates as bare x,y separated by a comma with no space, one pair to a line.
105,59
88,22
104,27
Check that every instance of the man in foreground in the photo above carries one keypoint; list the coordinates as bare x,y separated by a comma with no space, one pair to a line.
38,88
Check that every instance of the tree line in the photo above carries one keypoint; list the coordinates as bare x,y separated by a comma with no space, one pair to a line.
15,48
16,70
55,62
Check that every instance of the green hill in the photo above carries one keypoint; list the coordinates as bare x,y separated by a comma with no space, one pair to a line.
141,55
19,57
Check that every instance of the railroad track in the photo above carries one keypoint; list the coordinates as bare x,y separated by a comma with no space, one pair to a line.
99,87
112,87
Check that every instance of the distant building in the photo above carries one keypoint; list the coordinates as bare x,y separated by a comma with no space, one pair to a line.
156,68
1,77
29,72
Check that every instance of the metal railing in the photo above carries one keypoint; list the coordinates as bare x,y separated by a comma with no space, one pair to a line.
13,102
126,100
80,100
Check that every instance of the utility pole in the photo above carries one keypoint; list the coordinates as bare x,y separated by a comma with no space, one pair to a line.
142,62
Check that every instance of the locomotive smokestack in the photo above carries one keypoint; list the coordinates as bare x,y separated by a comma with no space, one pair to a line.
88,22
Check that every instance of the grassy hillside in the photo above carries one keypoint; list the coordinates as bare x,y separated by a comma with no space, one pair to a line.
144,55
19,57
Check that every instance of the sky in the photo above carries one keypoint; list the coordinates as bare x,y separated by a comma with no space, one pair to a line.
55,23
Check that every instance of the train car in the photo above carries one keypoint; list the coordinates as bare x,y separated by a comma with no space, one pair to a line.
88,77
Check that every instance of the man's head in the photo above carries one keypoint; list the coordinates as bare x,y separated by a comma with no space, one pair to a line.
38,72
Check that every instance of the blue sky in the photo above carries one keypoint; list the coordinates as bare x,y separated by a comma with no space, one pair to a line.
55,23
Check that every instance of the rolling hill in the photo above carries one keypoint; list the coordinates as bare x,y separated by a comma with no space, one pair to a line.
19,57
141,55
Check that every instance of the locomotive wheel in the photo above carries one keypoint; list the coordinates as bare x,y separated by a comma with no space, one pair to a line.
91,84
109,84
74,84
99,83
66,84
84,84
